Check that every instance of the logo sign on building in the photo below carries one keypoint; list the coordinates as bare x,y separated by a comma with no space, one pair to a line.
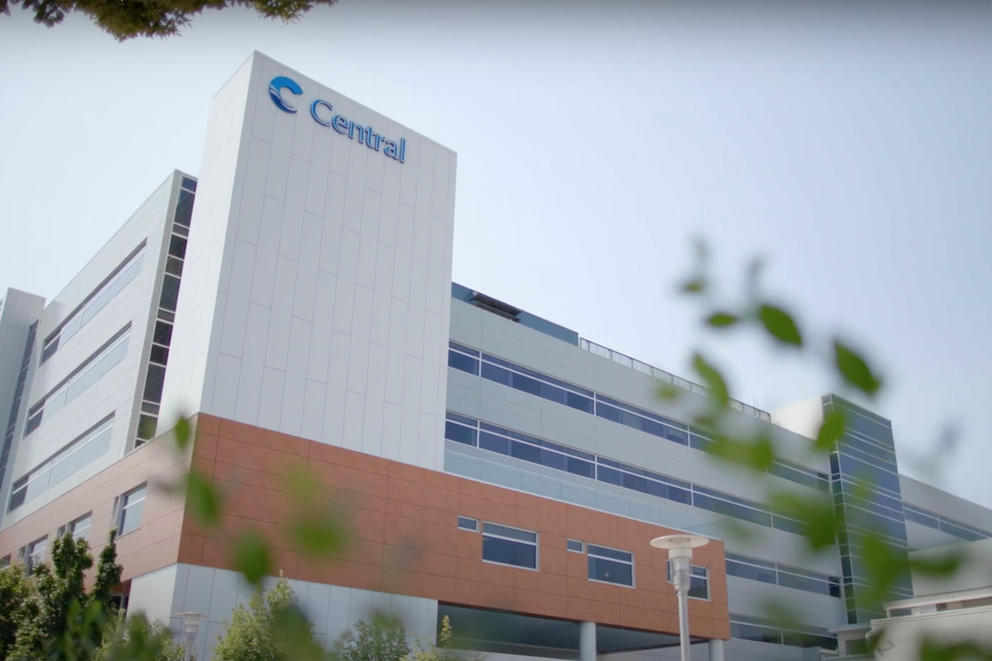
324,114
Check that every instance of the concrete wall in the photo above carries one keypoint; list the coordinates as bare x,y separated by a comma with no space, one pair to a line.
316,295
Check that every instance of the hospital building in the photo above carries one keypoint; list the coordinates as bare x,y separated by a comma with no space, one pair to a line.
295,301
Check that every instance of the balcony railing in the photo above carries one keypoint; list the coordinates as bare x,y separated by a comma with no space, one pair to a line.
666,377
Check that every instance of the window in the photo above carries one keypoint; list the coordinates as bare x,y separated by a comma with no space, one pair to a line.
509,546
90,445
466,523
98,298
699,581
129,512
80,528
34,553
81,378
5,561
611,565
574,545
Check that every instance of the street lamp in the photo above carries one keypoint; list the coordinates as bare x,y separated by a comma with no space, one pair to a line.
191,623
679,549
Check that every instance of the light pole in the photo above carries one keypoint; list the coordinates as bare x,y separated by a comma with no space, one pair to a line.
679,549
191,623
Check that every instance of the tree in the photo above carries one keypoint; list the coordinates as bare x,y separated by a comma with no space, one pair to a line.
384,638
152,18
14,592
137,639
58,619
443,651
272,628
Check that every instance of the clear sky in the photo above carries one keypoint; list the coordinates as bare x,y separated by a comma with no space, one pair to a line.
847,143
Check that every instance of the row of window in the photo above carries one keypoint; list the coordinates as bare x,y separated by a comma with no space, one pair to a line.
112,285
938,522
776,574
158,358
515,547
518,377
82,450
489,437
749,628
80,379
128,509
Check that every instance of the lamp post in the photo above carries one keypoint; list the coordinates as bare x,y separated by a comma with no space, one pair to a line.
191,623
679,549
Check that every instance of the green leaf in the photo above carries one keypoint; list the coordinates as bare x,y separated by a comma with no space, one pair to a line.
203,497
712,379
854,369
946,564
780,324
252,557
183,432
761,453
830,431
816,515
301,483
722,319
695,285
669,392
318,534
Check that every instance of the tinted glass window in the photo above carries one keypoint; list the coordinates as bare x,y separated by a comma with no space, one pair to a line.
462,362
184,208
177,246
611,571
492,442
170,292
459,433
509,546
131,507
153,384
163,333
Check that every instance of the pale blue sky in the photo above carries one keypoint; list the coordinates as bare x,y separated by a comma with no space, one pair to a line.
850,146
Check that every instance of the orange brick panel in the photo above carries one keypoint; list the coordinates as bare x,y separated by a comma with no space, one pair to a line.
402,530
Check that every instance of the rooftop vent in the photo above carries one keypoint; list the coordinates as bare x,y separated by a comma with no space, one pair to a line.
490,304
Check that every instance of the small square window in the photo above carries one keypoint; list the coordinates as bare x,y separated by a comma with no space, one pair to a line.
129,511
574,545
509,546
467,523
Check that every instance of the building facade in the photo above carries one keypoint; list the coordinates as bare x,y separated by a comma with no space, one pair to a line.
295,300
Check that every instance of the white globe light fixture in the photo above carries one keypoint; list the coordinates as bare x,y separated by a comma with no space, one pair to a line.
679,549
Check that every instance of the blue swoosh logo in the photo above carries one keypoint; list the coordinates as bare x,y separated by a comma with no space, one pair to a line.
277,85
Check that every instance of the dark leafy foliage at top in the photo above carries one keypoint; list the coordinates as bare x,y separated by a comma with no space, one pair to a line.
125,19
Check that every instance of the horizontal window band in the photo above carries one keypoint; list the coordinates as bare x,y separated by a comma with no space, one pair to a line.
502,371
